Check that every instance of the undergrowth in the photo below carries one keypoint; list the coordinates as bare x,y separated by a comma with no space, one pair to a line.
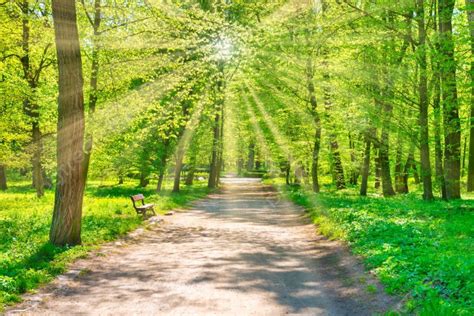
424,250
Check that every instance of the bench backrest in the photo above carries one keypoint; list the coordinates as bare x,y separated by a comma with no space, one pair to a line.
137,197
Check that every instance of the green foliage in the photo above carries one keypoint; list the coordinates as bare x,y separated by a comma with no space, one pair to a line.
27,259
421,248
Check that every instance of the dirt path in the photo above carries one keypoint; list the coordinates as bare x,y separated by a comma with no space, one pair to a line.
241,252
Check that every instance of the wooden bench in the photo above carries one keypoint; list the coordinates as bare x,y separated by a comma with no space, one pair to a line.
143,208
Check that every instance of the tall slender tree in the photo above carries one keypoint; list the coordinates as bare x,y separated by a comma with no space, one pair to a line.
452,126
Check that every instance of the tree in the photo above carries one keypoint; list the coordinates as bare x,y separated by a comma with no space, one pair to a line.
470,173
452,126
66,225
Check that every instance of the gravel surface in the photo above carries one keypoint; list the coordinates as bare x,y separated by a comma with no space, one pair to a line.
242,251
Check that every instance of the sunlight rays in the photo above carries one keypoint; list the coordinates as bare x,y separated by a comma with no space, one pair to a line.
261,140
280,139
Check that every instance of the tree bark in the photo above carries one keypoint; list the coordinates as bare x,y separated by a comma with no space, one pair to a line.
66,224
216,159
354,170
387,187
178,168
423,105
3,178
251,157
378,169
470,171
338,169
31,108
213,170
317,126
159,185
437,114
38,180
452,128
365,168
399,170
93,90
144,181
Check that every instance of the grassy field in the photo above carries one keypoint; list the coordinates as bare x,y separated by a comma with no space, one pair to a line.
28,260
423,250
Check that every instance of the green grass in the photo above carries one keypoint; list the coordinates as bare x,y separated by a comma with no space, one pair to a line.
28,260
423,249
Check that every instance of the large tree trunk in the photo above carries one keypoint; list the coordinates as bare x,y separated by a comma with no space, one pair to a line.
66,224
93,91
452,128
423,105
470,172
317,126
365,167
3,178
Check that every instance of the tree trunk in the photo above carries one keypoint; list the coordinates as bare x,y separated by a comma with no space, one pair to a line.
66,224
387,187
337,165
144,181
452,128
437,114
161,177
399,172
31,108
217,144
288,173
378,168
354,170
162,168
251,157
191,170
365,168
317,126
214,167
338,169
93,90
178,168
3,178
423,105
470,171
38,181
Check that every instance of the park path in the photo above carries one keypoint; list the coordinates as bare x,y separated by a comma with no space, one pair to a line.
242,251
